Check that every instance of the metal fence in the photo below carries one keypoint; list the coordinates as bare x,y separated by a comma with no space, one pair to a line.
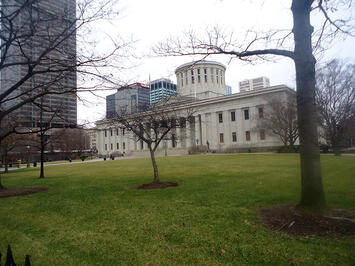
9,261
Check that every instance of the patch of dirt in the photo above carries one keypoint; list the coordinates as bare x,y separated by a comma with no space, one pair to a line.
20,191
158,185
291,221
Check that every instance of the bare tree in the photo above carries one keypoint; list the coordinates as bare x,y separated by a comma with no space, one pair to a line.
47,118
70,141
280,118
306,37
51,54
335,97
155,124
7,145
55,52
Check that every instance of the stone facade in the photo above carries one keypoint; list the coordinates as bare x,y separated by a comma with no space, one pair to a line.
201,79
221,123
224,123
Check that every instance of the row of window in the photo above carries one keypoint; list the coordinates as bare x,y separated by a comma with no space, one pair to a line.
163,89
247,136
164,85
221,140
117,146
214,73
246,114
116,131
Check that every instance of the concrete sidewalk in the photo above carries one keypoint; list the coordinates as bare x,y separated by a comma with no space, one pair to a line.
66,163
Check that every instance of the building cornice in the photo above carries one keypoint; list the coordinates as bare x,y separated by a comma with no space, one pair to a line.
200,62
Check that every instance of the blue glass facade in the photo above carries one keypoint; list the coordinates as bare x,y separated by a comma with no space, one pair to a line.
160,89
228,90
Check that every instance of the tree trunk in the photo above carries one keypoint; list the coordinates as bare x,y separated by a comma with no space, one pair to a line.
6,164
1,186
312,195
6,170
42,157
155,167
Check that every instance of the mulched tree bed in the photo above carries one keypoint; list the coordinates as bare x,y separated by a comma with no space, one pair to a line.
158,185
291,221
20,191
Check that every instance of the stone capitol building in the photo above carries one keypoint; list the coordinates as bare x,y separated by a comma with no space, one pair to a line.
221,122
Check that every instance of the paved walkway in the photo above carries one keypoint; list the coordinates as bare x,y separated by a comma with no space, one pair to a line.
135,157
65,163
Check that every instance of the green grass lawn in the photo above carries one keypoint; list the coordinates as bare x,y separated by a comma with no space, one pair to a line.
92,215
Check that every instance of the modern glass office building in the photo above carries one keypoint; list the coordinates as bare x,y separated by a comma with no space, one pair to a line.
128,99
39,34
161,89
228,90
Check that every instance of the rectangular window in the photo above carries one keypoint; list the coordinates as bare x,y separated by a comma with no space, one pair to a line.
105,133
111,132
199,75
246,114
118,146
232,116
134,102
105,147
262,134
142,144
173,141
234,136
217,76
220,118
247,135
205,72
124,145
123,131
261,112
111,146
116,131
221,138
182,79
192,76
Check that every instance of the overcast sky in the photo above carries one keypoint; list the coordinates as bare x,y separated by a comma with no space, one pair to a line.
148,22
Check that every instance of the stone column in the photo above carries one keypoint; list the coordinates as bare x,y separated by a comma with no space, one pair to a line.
203,129
227,128
214,131
198,136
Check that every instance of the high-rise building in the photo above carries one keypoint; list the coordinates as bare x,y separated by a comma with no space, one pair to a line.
254,84
161,89
127,100
228,90
45,49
